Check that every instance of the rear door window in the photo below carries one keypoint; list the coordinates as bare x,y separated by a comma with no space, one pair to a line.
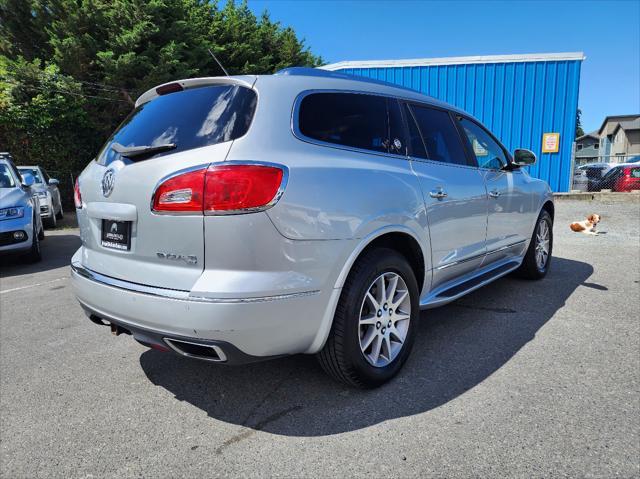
367,122
441,141
190,119
635,172
416,144
488,153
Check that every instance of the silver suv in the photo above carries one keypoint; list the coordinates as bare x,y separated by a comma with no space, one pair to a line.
241,218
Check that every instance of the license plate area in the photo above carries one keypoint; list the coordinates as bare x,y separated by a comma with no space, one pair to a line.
116,234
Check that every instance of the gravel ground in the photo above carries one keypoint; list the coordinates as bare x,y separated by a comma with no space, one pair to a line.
517,379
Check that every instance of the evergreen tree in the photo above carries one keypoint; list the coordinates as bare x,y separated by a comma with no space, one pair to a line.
70,70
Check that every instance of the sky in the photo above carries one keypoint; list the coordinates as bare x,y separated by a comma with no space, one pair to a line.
608,32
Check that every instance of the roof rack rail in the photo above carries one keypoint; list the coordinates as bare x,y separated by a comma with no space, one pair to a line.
317,72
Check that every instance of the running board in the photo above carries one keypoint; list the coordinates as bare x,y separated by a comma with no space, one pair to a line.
441,297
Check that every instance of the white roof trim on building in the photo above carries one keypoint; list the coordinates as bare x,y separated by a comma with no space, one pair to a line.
529,57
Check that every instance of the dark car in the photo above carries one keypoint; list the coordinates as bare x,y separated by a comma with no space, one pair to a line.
595,173
621,178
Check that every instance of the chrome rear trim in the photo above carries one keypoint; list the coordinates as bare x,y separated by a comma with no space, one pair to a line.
176,294
216,349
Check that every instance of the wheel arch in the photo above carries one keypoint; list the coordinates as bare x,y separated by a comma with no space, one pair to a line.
399,238
550,208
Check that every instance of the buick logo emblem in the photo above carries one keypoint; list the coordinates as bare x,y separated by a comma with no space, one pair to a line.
108,180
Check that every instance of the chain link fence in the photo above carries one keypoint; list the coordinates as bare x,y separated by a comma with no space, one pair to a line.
619,173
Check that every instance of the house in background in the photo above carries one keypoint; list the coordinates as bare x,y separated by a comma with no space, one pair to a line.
619,138
587,148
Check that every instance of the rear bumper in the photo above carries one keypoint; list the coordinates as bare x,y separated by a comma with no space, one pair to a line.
246,329
219,351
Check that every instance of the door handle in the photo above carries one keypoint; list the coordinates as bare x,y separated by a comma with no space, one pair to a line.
494,193
438,194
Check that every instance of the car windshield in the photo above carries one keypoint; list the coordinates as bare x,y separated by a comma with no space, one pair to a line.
6,179
33,171
182,121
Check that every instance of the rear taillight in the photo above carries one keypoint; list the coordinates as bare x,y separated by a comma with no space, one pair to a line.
221,189
182,192
77,197
241,187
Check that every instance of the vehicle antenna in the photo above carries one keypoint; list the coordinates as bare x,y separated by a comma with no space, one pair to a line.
218,62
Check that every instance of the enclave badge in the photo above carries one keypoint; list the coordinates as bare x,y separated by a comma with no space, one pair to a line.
187,258
108,180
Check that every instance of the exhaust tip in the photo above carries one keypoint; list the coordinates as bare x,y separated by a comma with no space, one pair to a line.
208,352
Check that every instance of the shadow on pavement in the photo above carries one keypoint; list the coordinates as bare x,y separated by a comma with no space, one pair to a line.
57,250
457,347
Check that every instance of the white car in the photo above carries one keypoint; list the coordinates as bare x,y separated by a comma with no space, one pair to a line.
47,190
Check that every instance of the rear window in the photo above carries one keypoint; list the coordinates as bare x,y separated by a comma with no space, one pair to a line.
595,172
190,119
356,120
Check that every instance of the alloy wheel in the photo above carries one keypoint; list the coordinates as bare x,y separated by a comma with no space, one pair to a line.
543,239
384,319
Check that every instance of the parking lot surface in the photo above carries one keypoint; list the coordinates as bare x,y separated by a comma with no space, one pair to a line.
517,379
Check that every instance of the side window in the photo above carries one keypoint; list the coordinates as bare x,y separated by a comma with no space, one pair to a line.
487,151
45,175
441,140
415,140
396,128
360,121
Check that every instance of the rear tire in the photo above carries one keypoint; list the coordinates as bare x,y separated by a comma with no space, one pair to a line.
367,344
536,263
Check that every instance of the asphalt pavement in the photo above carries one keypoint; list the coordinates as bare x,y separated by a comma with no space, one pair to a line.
518,379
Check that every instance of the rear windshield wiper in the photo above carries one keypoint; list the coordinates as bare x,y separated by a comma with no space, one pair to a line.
133,151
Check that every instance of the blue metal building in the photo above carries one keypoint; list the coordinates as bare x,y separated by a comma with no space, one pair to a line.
518,97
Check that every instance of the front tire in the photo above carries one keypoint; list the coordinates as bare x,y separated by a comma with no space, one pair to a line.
34,255
538,257
374,324
50,222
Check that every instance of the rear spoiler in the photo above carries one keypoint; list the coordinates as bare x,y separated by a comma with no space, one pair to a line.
245,80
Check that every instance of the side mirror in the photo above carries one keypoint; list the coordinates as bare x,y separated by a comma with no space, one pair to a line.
27,180
53,182
524,157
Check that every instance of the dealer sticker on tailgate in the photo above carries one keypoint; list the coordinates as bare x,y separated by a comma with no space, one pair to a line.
116,234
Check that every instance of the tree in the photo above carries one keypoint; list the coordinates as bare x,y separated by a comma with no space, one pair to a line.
579,130
70,70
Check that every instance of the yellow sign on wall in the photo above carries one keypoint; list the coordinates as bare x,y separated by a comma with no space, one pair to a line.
550,142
